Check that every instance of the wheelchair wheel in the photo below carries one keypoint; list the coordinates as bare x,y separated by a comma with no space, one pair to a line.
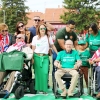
32,87
19,92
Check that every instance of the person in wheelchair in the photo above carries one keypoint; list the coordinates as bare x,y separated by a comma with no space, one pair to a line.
17,46
69,61
96,60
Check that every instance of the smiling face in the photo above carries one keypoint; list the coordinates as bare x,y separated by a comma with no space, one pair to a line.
42,30
36,20
70,28
21,27
3,29
20,38
68,45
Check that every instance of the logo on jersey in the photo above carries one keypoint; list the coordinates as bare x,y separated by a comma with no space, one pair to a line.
66,36
71,37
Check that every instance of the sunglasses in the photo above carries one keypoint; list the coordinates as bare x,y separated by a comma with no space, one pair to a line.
42,28
20,26
4,30
37,20
18,37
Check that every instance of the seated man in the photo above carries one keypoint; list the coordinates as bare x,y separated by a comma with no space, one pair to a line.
17,46
96,59
70,61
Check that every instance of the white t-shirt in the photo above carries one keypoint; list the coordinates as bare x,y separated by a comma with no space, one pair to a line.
42,45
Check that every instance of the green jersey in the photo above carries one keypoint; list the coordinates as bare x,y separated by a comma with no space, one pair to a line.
63,34
66,59
93,41
84,55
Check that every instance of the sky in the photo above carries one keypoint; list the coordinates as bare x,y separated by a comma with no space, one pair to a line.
40,5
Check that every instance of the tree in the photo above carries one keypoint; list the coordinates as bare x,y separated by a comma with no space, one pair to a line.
83,12
13,11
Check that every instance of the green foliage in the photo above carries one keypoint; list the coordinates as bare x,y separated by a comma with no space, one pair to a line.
83,12
14,11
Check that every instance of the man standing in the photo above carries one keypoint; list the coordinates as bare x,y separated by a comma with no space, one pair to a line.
65,34
36,21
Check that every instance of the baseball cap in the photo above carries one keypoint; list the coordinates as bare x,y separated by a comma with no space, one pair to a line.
81,42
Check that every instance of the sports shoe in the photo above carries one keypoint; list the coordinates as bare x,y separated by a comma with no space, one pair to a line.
64,93
4,94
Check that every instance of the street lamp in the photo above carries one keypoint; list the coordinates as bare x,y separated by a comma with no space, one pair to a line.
4,16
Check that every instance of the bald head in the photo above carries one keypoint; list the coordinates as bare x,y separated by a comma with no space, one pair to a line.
69,42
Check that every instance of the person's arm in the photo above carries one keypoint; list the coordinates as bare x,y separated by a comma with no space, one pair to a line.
33,43
76,45
90,61
57,64
49,26
54,48
57,61
33,48
61,43
87,40
86,45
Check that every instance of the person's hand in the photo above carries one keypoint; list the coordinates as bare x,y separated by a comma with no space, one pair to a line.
77,64
91,62
59,65
76,67
32,61
96,60
29,45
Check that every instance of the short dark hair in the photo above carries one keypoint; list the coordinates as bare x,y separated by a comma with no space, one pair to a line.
70,22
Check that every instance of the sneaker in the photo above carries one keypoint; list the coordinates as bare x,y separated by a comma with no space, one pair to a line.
64,93
70,94
4,94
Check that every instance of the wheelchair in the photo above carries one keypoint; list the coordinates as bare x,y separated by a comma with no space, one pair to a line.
23,83
67,78
92,82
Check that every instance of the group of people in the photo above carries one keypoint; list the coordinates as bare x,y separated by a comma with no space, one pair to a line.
85,48
64,56
38,39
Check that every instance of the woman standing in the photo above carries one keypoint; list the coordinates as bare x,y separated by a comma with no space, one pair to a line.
93,38
40,46
21,29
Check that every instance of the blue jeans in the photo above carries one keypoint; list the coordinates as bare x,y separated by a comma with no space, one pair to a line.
98,77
